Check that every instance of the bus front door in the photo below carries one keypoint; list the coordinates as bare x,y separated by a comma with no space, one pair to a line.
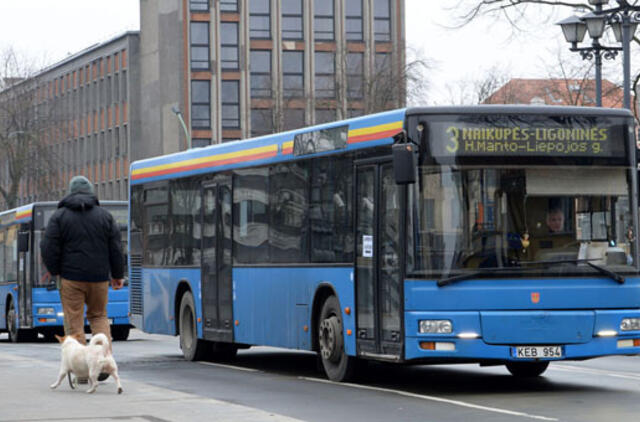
378,283
216,261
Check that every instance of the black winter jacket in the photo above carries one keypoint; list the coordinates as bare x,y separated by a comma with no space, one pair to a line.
82,241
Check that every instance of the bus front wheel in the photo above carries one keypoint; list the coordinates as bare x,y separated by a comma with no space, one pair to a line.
337,365
527,369
192,347
17,335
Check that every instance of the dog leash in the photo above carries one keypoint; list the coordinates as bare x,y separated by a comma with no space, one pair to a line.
70,382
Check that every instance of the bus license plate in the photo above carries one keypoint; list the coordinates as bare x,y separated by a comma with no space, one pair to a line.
537,352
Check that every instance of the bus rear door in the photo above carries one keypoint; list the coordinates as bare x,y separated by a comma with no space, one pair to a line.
216,261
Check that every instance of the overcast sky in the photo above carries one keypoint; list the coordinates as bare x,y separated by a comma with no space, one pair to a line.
49,30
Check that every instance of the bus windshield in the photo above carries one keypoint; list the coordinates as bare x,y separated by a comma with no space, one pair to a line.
470,218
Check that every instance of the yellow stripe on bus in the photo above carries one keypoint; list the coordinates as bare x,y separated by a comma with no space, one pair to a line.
207,159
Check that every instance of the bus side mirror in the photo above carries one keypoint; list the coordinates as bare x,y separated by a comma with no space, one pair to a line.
23,241
404,163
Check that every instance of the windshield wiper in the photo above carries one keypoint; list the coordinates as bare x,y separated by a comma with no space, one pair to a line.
613,275
470,275
488,272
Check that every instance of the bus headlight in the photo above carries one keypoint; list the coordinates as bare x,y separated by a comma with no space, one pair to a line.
46,311
435,326
630,324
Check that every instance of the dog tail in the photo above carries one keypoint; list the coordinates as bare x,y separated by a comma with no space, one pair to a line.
102,340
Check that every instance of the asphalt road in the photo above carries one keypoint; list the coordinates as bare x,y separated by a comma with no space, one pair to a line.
279,385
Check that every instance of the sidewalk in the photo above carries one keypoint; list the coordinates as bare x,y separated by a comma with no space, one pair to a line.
25,396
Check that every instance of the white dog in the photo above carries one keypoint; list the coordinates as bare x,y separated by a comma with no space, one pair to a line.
87,361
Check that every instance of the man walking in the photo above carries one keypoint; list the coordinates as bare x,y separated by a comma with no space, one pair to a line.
82,246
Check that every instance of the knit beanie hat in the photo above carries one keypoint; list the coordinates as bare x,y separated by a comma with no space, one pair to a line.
80,184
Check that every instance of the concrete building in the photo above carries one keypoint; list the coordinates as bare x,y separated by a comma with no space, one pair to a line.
241,68
79,116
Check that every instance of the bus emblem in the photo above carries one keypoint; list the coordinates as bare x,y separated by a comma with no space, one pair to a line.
535,297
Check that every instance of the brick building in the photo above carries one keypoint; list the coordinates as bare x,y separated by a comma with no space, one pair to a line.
579,92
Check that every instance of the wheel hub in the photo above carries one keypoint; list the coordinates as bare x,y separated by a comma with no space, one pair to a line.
330,339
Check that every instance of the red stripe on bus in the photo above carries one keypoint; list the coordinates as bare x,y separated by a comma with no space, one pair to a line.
373,136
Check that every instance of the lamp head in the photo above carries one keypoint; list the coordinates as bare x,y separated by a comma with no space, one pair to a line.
573,29
595,24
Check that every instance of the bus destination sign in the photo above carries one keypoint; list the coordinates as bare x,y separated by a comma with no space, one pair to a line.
541,136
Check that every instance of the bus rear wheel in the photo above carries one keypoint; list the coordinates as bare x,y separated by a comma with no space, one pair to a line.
527,369
192,347
17,335
337,365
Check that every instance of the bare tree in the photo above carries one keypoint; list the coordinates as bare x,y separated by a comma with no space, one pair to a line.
26,159
492,82
519,14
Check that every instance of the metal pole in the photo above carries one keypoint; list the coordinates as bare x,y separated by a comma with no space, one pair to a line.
596,50
626,59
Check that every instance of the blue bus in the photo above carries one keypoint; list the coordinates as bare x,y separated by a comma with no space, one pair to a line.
498,235
29,299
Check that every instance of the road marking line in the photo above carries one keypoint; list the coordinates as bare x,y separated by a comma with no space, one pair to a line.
570,368
239,368
434,398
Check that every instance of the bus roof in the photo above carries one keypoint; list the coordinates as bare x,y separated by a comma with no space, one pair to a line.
363,132
24,213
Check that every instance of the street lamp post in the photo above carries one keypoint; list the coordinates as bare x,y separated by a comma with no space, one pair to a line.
623,20
178,114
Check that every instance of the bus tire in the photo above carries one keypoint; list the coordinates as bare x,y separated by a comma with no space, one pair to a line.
192,347
120,332
337,365
17,335
527,369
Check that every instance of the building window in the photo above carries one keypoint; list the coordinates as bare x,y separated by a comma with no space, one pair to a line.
260,19
260,68
229,46
293,118
382,65
325,80
381,20
228,5
200,104
354,20
292,28
200,142
199,45
293,73
323,20
354,75
261,121
199,5
325,115
230,104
